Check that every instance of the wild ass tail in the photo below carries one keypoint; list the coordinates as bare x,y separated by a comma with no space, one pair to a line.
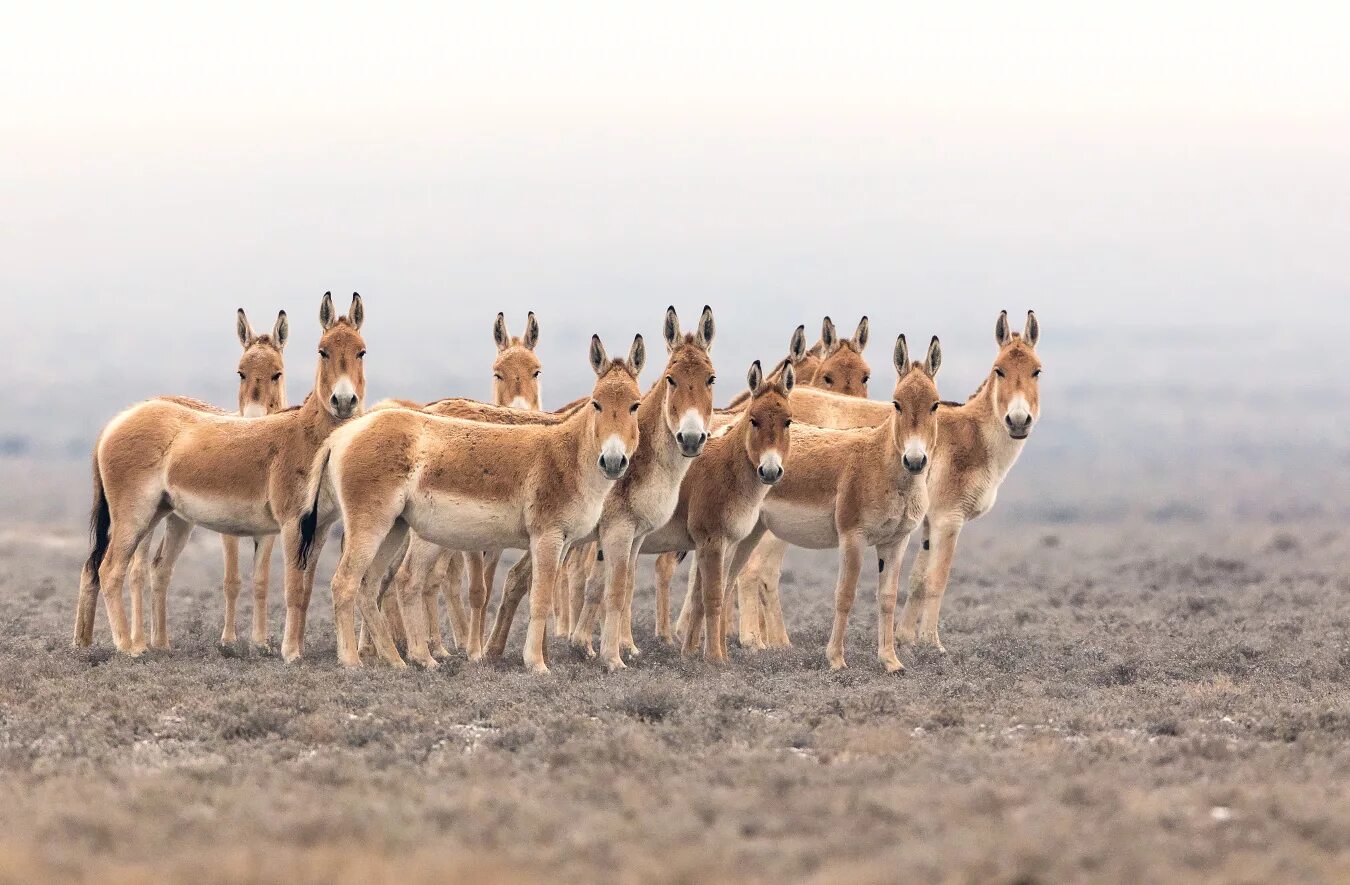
309,520
100,522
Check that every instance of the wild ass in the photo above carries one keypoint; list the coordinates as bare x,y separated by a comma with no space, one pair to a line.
831,405
978,443
425,567
165,459
467,485
674,418
852,489
262,391
721,496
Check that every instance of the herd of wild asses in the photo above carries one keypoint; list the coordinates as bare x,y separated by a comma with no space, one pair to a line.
430,494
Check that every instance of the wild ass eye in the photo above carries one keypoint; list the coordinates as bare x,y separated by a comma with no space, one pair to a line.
497,376
597,405
867,378
999,372
829,380
712,379
633,407
896,403
935,407
787,423
670,379
241,376
536,373
1036,374
361,355
323,353
754,423
276,377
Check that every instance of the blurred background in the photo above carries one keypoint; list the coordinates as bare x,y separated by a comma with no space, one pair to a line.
1167,187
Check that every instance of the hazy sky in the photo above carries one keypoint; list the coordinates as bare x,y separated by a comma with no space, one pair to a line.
1152,164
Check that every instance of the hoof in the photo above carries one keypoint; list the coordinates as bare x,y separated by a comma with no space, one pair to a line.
893,666
632,651
540,669
294,657
838,664
614,666
136,650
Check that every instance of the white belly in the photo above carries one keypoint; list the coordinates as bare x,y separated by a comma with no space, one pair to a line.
810,527
225,515
460,523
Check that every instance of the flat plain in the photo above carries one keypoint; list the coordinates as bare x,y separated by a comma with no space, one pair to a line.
1159,693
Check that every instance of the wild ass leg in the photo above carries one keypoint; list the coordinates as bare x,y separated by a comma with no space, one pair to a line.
626,641
583,626
292,638
918,573
176,533
850,566
690,625
139,580
581,565
369,544
517,584
546,552
664,575
450,580
478,600
712,575
124,537
230,586
432,611
925,596
262,580
758,586
619,548
889,557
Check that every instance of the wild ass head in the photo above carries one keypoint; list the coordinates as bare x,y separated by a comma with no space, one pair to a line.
515,371
914,424
262,383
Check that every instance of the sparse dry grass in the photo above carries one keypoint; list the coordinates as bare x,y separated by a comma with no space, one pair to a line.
1122,703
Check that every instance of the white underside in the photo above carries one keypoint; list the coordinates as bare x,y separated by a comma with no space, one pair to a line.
810,527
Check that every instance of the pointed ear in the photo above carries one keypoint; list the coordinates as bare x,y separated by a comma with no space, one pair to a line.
499,333
281,331
637,354
599,359
789,378
934,360
327,316
860,336
828,335
755,377
797,346
243,329
706,329
531,331
1002,334
901,356
357,314
1032,333
670,329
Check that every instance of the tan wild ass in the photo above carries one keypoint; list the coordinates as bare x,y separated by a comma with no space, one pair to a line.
425,567
978,443
467,485
721,497
852,489
262,391
170,459
674,418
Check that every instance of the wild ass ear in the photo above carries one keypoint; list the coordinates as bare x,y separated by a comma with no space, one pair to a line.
357,315
789,378
499,333
934,359
637,354
755,377
1032,333
531,331
281,331
706,329
901,356
670,329
828,336
797,346
243,329
599,359
860,336
1002,334
327,316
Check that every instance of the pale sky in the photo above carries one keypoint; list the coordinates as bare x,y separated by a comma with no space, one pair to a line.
1149,164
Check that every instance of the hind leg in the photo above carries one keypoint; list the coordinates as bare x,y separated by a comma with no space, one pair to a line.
478,599
86,608
176,533
262,578
140,588
518,580
665,574
450,580
362,544
123,538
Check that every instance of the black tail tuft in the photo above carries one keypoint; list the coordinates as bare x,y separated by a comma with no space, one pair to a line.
309,522
100,522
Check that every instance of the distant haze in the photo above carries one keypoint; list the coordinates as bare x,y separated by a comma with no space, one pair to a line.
1167,187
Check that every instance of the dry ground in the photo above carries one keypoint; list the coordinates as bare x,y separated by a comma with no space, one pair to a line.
1125,701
